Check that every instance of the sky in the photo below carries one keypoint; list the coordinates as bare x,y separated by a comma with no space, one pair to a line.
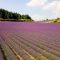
37,9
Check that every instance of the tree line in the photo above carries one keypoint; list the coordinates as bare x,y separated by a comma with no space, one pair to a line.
12,16
57,20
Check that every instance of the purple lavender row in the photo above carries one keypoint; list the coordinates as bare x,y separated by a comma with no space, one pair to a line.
51,56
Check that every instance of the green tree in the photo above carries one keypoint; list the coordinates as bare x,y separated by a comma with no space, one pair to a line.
10,16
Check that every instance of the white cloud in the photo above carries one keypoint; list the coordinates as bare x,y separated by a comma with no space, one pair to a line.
45,5
54,7
36,3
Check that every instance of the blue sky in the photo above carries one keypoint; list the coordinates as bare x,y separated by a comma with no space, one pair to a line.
37,9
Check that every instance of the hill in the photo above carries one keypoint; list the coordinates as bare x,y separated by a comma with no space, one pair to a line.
57,20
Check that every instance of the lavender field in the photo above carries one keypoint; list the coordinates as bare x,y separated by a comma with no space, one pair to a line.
29,41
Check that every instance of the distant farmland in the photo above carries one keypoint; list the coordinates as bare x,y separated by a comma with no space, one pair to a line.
29,41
